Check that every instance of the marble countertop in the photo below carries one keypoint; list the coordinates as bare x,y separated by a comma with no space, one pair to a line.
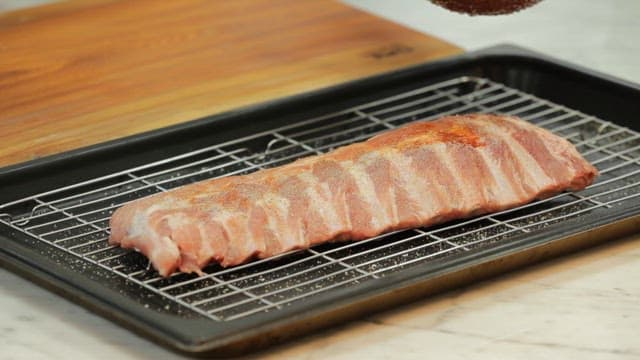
585,306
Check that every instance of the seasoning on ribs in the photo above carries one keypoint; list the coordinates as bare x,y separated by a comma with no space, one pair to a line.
418,175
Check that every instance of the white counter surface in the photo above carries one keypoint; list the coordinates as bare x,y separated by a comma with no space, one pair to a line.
584,306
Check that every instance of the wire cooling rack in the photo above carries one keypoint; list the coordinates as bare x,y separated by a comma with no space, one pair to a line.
75,218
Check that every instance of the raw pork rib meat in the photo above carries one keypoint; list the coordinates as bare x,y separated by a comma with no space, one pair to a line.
418,175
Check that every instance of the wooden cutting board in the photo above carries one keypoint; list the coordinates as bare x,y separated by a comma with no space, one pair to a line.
82,72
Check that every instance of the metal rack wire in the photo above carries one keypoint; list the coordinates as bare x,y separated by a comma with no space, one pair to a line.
74,218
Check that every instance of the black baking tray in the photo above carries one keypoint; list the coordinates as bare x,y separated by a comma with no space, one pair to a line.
593,93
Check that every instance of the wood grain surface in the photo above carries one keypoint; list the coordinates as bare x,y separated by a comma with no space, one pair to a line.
79,73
